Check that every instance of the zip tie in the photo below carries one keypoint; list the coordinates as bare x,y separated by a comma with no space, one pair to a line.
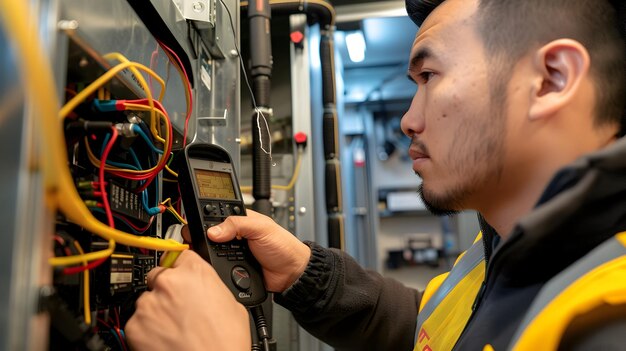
259,113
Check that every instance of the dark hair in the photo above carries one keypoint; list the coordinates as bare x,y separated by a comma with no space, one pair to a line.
599,25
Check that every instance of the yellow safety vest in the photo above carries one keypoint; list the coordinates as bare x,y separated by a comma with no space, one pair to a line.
447,302
597,279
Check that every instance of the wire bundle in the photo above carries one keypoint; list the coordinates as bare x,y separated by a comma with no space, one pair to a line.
60,191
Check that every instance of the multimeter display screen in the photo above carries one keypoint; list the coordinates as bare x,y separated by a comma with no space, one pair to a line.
215,185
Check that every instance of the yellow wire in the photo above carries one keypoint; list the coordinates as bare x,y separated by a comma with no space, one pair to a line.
96,162
59,185
99,82
153,125
290,185
171,172
294,177
170,208
92,256
86,307
173,211
121,58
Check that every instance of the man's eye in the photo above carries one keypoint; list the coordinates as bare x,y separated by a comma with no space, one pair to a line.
425,76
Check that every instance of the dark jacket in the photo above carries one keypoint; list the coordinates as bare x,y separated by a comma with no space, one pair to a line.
584,204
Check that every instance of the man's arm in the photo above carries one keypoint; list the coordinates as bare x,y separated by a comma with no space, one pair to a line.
351,308
328,292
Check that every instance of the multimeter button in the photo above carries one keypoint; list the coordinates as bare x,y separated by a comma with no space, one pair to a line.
221,254
208,209
240,277
235,246
236,210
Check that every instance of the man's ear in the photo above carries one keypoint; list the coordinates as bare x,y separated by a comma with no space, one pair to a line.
560,67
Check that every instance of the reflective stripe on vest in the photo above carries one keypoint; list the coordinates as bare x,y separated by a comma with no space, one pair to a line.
467,274
595,279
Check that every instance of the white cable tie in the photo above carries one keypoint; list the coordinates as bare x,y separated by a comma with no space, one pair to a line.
259,114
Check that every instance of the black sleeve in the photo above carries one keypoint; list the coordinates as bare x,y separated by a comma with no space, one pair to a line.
602,328
351,308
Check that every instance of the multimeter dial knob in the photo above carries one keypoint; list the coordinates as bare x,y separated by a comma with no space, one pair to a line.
240,277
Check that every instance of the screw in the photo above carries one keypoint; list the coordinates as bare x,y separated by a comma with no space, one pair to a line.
198,6
302,211
234,53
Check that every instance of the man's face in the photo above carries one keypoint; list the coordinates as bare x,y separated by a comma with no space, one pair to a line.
457,131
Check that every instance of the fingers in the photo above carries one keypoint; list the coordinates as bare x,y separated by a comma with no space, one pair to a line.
249,227
186,235
186,257
183,259
152,276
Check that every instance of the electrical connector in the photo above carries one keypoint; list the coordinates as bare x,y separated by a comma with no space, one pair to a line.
126,129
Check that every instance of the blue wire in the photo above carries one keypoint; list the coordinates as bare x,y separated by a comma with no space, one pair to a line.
135,158
104,143
117,338
144,194
122,165
137,129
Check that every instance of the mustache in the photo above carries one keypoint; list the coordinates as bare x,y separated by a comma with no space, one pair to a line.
419,146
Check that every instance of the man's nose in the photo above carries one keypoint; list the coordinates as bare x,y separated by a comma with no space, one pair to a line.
413,119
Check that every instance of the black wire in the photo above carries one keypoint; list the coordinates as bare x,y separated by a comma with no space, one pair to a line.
261,326
243,69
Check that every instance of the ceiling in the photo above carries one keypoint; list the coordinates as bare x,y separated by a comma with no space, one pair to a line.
389,34
339,3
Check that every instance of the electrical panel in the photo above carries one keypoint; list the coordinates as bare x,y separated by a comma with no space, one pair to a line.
137,80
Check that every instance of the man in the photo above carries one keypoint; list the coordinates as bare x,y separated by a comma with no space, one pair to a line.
517,115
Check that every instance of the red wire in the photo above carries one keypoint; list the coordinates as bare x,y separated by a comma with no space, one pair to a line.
182,67
133,225
149,177
78,269
103,160
117,330
163,161
117,316
105,323
61,242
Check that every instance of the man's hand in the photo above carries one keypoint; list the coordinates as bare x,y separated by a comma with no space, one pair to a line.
188,308
282,256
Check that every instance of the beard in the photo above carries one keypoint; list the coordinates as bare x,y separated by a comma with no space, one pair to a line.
476,160
441,206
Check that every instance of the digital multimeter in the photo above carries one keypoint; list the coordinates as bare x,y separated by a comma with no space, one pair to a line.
210,193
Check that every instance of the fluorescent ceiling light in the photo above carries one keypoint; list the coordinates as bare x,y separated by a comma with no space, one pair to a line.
356,46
